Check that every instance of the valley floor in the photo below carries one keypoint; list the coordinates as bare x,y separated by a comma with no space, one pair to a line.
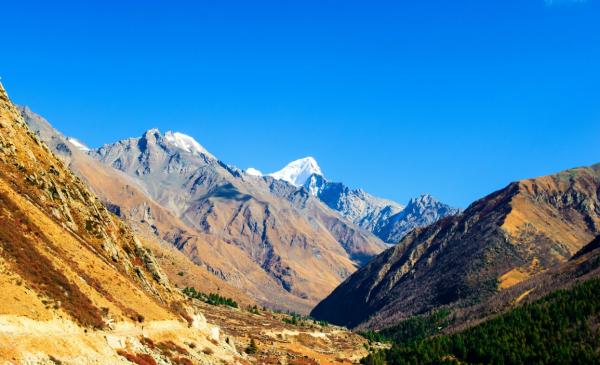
59,341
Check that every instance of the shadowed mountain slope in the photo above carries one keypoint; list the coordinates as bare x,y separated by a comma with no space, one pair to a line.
497,242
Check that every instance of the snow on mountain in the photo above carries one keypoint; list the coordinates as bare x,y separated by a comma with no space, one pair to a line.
78,144
297,172
186,143
253,172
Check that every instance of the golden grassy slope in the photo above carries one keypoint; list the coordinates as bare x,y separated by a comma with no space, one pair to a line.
72,274
561,208
78,287
60,240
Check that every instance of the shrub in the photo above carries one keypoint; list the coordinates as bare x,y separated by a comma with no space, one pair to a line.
139,359
212,298
182,361
252,348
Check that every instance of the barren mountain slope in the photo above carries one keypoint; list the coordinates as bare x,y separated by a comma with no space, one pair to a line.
499,241
583,266
125,198
235,227
77,285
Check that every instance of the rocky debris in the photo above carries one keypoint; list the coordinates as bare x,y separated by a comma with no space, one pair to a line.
150,263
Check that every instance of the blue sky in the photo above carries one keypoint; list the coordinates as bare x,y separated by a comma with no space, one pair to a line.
455,98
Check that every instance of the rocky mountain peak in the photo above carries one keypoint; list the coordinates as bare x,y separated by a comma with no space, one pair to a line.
419,212
299,171
423,199
422,203
175,141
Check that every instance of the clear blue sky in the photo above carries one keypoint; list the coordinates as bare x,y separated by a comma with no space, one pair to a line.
455,98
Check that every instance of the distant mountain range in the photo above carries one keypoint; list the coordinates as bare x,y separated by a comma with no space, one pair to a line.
239,227
498,242
388,220
270,236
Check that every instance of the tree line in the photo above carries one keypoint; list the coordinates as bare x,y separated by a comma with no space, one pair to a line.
561,328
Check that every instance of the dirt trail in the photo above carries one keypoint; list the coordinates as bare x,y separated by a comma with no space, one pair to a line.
27,341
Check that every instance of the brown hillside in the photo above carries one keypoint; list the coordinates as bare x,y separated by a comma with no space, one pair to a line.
76,282
499,241
126,198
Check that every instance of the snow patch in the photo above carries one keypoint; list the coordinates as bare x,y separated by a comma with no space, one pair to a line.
186,143
253,172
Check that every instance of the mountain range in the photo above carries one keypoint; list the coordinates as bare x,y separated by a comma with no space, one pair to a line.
134,206
274,238
87,281
225,221
387,219
96,246
75,278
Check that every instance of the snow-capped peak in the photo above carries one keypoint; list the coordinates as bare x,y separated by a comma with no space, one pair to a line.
297,172
254,172
77,144
186,143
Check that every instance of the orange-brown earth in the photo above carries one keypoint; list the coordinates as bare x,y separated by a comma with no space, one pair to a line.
79,286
